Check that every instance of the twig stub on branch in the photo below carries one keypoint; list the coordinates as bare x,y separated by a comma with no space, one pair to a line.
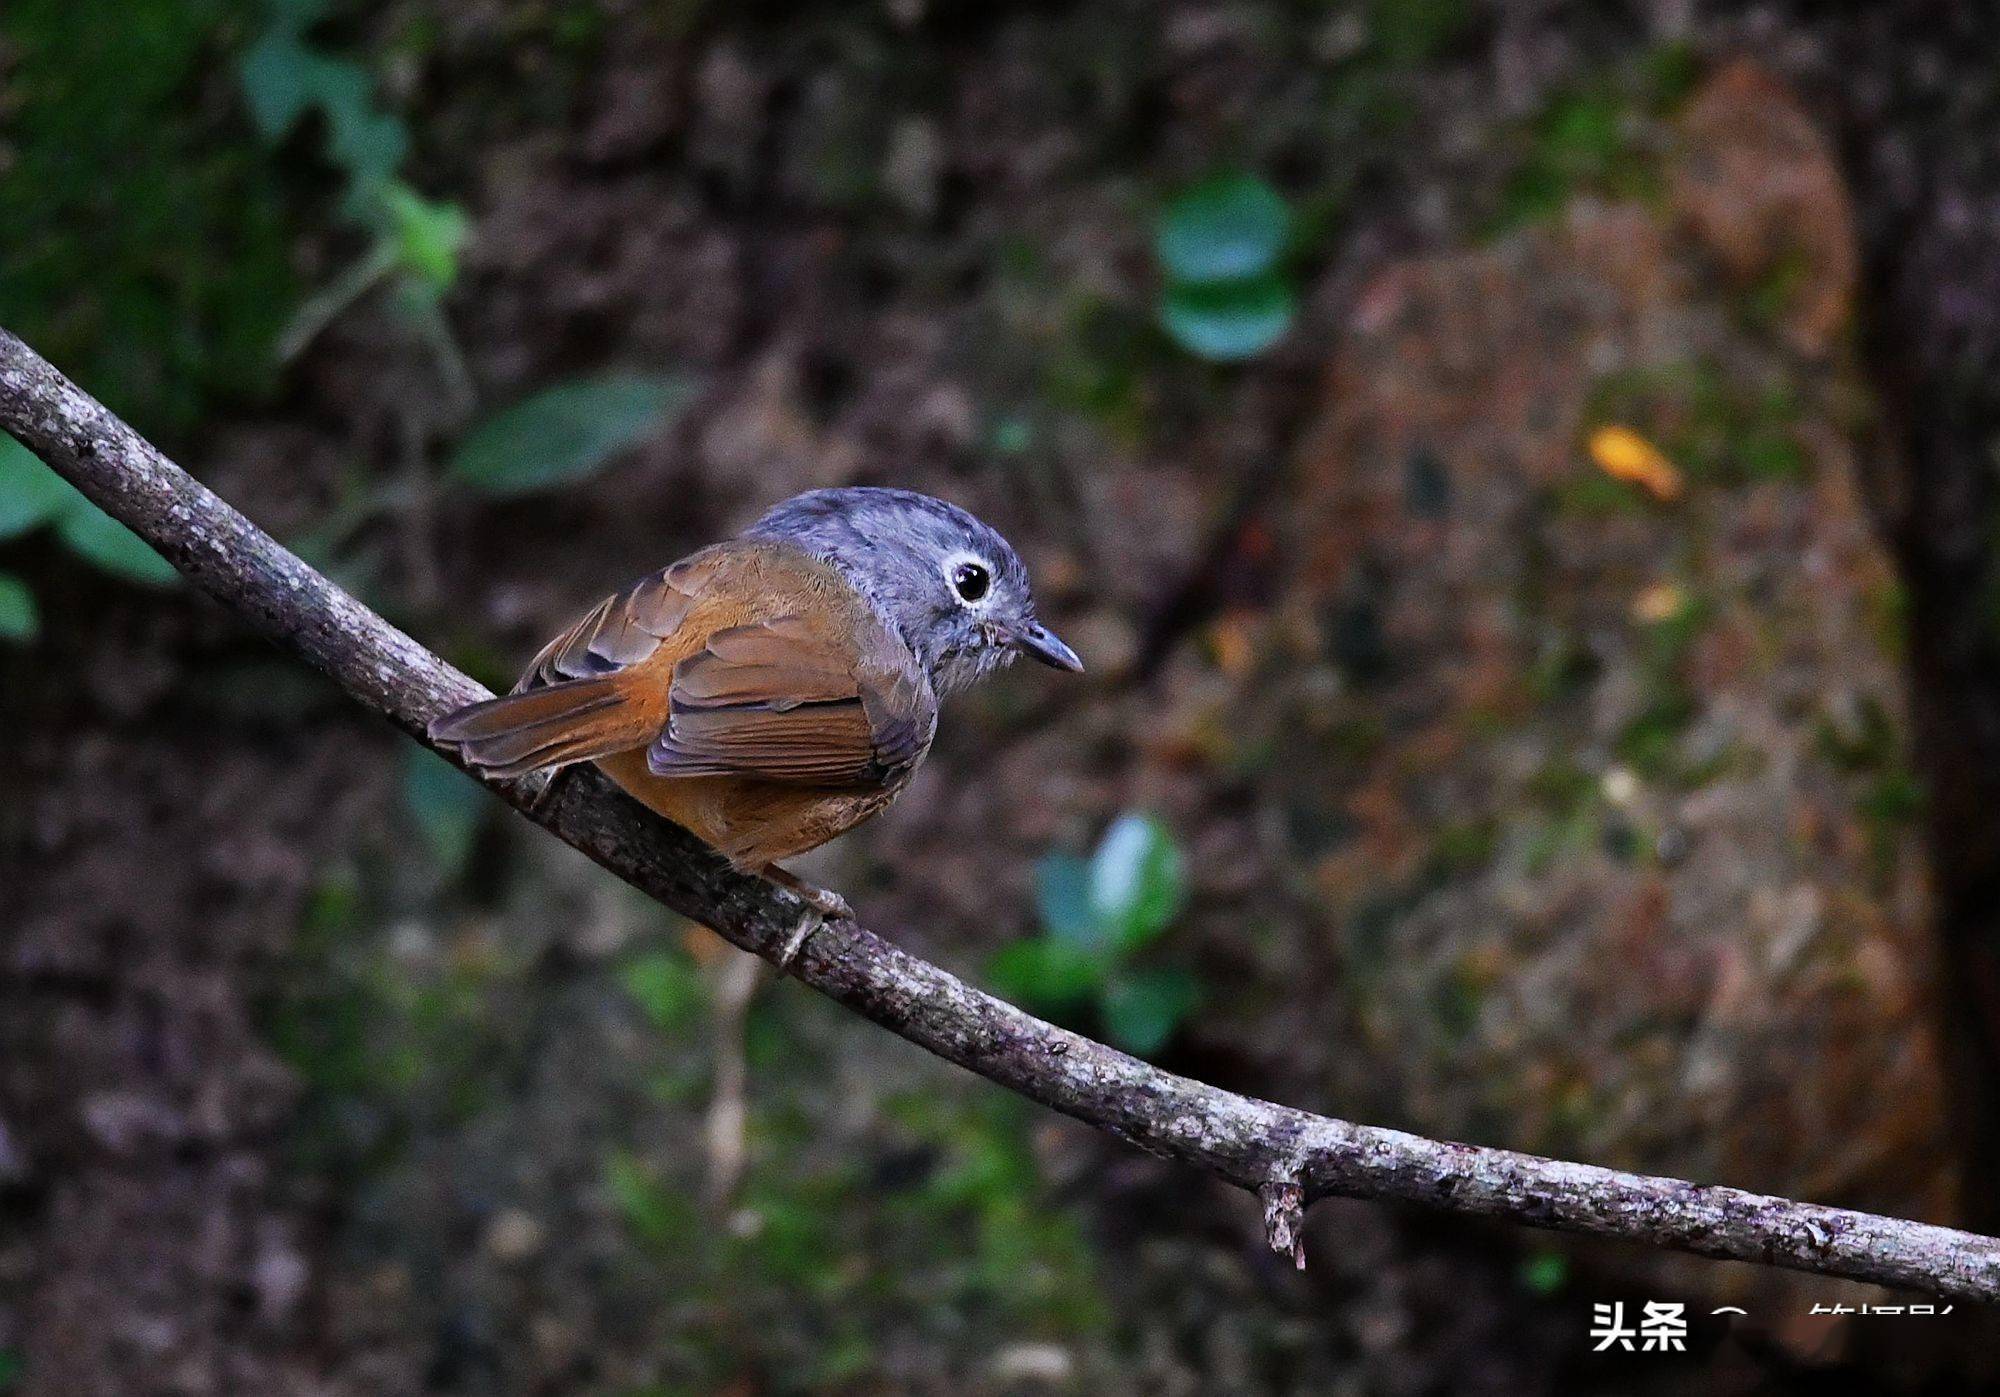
1285,1220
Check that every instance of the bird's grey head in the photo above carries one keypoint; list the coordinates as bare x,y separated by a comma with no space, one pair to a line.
949,585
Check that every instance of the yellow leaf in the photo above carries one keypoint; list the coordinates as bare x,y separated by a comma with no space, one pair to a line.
1623,454
1231,642
1660,602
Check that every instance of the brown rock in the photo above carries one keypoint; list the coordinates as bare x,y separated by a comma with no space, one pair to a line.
1563,676
1759,186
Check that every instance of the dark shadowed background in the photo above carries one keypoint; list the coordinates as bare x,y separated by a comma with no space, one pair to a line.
1522,476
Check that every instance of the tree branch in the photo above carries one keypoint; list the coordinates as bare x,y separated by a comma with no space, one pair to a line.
1287,1157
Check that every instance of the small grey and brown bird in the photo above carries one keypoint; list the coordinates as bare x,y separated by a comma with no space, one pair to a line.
773,691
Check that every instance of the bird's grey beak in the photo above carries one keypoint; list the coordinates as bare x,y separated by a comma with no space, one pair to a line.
1038,642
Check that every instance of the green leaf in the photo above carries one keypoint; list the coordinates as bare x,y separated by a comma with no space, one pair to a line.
1045,972
447,805
656,1213
566,433
282,79
667,987
1583,133
1138,882
1062,892
370,146
92,534
30,493
20,619
296,14
1409,33
1228,321
428,235
1142,1010
1228,228
1011,435
1544,1273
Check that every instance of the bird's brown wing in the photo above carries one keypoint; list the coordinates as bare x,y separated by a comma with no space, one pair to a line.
625,628
797,701
705,666
586,695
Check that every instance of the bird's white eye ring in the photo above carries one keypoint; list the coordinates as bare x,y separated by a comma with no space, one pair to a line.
970,578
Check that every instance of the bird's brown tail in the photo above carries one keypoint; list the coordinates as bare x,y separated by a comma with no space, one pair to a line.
545,727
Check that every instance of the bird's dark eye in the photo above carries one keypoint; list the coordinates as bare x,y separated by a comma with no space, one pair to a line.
971,581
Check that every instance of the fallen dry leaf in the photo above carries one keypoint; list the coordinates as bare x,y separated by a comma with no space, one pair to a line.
1623,454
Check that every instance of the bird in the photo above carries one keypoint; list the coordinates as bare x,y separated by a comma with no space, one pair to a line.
774,690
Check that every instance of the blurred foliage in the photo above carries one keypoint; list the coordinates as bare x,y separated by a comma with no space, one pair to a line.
1593,138
1718,428
1582,140
557,437
20,618
960,1235
31,494
147,248
566,432
1545,1272
1863,742
959,1231
1683,422
386,1034
667,987
1226,229
1226,290
408,1034
1221,248
1099,916
447,805
284,78
33,497
1650,741
1410,32
414,242
1229,322
90,533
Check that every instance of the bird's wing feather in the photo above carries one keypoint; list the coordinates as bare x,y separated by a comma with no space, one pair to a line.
778,701
585,696
625,628
689,664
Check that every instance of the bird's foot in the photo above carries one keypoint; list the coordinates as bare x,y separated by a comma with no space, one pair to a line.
796,939
828,903
539,801
824,905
